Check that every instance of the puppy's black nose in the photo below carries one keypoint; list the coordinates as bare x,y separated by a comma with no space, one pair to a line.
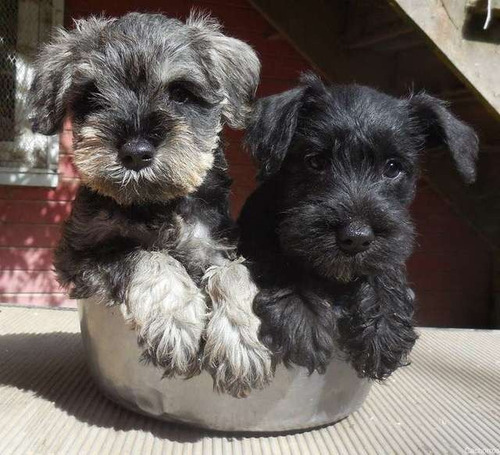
137,154
355,237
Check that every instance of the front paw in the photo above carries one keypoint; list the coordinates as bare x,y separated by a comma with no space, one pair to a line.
172,342
169,314
237,361
383,348
377,332
297,330
233,354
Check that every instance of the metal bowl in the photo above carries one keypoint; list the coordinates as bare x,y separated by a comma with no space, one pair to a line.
294,400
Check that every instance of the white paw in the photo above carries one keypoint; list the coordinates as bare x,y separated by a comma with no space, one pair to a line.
169,313
233,354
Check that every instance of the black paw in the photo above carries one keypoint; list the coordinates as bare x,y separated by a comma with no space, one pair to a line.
297,329
385,348
377,331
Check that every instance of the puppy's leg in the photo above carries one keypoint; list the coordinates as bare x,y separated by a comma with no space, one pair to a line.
234,355
168,311
376,331
298,328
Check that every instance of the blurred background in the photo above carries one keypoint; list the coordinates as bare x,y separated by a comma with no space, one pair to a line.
397,46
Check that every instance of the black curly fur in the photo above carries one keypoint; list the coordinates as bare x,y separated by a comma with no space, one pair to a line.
315,297
294,323
375,329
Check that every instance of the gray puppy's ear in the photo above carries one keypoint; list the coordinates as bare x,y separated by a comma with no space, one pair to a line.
233,64
54,73
440,127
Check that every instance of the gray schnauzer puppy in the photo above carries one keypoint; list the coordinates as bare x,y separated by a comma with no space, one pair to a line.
328,231
150,226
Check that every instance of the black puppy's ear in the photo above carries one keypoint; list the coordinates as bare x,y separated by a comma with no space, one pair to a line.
54,73
441,127
271,128
273,122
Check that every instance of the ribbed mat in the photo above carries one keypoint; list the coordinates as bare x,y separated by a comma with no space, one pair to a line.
447,401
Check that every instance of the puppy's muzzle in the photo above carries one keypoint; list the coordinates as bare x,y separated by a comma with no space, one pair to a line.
355,237
137,154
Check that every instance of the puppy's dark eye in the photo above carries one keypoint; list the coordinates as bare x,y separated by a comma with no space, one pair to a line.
392,169
88,101
316,162
181,94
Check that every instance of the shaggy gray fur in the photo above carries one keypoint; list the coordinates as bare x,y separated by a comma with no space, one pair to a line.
145,235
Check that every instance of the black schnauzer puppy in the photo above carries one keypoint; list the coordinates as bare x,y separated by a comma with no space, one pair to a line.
150,227
328,230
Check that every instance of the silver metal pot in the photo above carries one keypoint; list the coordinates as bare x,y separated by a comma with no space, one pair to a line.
293,401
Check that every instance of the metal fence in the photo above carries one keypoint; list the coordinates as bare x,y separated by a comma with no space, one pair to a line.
8,42
24,26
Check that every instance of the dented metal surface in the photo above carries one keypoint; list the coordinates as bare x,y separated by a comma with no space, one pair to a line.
295,400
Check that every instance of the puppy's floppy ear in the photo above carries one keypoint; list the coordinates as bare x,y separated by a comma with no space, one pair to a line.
273,123
271,128
441,127
55,71
233,64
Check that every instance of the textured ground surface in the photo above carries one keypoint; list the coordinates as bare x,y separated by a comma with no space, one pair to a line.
447,401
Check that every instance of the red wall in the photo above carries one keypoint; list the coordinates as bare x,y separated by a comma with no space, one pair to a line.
30,221
450,268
